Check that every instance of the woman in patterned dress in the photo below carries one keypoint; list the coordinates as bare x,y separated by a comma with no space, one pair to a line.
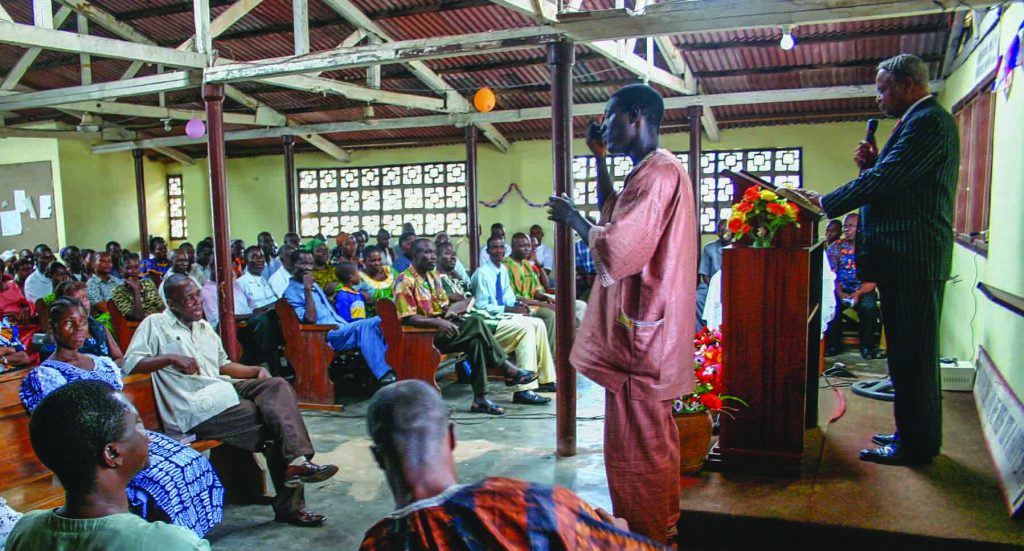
179,485
98,340
378,279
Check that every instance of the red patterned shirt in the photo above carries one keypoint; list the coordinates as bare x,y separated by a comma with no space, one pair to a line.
500,513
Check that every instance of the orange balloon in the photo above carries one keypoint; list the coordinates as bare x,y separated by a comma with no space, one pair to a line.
484,100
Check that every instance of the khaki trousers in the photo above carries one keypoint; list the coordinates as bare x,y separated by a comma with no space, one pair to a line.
528,337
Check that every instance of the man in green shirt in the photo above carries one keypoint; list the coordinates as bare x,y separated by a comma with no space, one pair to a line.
92,438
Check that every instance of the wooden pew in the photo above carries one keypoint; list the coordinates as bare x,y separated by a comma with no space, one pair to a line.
411,352
307,351
27,484
124,328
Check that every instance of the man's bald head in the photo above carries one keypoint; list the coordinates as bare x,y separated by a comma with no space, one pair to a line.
408,423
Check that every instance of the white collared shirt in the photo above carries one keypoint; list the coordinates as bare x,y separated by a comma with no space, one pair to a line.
37,286
913,105
183,401
279,281
258,289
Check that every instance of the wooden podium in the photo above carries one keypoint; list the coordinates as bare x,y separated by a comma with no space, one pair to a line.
771,333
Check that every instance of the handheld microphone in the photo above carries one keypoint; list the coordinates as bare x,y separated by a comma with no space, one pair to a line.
872,126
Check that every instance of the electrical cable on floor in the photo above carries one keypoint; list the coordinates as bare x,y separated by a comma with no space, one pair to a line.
837,412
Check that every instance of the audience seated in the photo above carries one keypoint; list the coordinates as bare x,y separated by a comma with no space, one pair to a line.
38,285
211,300
265,241
279,281
100,287
194,395
99,341
378,278
312,306
57,273
293,239
497,230
833,231
361,238
349,303
851,292
137,297
17,328
178,483
404,259
509,319
23,268
180,263
156,266
76,267
413,443
238,256
527,287
323,272
204,262
92,438
388,256
421,301
545,255
261,335
439,240
113,248
710,264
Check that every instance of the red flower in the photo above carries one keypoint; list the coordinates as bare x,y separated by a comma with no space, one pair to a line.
707,375
796,209
752,194
777,209
711,401
736,225
745,206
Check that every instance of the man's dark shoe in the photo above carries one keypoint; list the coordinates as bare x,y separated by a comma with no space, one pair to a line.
529,398
302,518
307,473
388,378
893,455
867,353
546,387
883,439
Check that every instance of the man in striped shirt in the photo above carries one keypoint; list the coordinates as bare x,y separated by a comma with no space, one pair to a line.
904,243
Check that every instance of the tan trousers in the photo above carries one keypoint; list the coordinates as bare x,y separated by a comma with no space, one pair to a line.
528,337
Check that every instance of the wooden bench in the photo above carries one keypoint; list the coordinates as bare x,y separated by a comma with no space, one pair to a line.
124,328
411,352
27,484
307,351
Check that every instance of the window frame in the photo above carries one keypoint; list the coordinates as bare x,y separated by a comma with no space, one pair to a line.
585,194
183,217
973,201
368,186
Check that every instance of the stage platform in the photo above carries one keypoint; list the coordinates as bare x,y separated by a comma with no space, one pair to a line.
838,503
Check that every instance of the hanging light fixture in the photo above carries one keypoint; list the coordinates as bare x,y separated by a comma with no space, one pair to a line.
89,123
788,42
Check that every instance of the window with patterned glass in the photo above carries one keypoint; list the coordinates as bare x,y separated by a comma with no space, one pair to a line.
432,196
780,166
176,208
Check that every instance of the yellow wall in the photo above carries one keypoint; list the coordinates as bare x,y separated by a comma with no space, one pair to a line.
969,319
99,197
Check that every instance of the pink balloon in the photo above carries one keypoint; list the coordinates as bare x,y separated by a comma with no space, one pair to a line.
195,129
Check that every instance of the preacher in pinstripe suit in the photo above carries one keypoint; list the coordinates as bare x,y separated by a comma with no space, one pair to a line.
905,243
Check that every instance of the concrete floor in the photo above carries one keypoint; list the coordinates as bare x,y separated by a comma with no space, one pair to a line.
520,444
956,497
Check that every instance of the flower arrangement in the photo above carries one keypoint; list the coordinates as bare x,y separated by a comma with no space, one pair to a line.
761,213
707,366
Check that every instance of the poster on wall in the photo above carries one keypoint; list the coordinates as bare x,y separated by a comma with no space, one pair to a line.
27,219
1002,422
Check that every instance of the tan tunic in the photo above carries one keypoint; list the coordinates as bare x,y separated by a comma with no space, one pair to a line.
638,332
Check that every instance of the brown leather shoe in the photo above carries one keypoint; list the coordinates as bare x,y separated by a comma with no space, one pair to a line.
302,518
307,473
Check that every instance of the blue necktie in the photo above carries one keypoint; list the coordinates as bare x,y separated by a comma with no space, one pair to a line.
499,295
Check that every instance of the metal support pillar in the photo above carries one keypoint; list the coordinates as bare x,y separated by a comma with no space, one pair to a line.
694,113
472,192
213,95
560,61
140,198
288,142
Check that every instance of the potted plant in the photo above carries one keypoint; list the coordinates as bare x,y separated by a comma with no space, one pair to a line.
761,213
692,412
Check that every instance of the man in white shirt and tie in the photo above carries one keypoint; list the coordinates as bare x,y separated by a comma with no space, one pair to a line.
262,333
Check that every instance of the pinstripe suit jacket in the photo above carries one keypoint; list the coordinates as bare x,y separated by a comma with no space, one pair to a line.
906,200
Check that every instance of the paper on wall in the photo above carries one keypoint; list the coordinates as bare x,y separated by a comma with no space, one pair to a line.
19,200
29,207
45,206
10,223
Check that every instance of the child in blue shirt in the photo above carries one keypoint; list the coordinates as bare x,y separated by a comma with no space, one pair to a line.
348,302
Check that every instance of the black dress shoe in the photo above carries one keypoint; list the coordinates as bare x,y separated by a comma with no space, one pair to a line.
529,398
893,455
302,518
388,378
883,439
546,387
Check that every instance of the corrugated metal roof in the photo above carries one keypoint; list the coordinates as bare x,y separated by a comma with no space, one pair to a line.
728,61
